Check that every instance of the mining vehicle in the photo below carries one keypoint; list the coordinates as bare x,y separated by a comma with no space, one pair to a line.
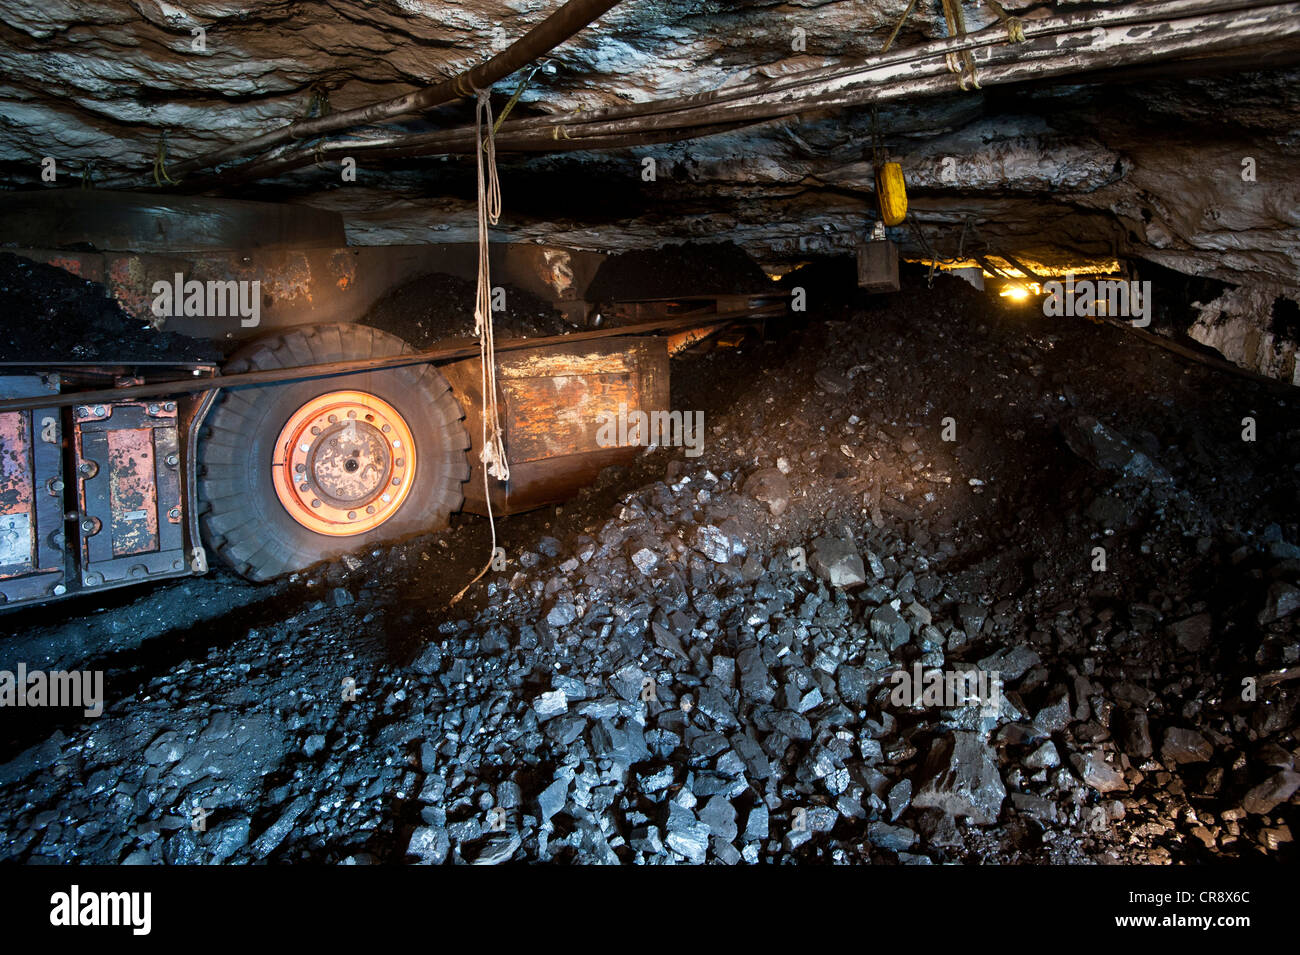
310,435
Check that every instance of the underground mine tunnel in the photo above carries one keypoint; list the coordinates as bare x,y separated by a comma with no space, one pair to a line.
650,432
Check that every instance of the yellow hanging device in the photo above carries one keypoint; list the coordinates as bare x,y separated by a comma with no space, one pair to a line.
891,193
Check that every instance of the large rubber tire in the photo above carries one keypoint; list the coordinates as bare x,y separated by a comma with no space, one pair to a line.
244,521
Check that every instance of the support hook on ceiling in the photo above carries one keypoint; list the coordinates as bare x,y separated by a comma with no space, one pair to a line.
160,164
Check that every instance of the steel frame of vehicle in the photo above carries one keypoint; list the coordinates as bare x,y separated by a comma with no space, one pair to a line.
133,448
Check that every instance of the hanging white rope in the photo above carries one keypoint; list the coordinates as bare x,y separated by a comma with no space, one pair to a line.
493,455
489,213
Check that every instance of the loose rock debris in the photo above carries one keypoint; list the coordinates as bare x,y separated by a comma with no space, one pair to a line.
694,661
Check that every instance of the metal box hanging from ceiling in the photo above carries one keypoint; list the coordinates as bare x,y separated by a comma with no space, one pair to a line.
878,266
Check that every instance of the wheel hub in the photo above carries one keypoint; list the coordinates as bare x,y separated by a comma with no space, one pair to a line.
345,462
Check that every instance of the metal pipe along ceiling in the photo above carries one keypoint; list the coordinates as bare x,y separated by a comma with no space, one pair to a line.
540,40
1057,46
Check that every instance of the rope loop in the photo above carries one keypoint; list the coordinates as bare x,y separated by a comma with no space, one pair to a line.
493,455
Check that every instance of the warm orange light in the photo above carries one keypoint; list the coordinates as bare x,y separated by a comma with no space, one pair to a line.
1020,291
344,463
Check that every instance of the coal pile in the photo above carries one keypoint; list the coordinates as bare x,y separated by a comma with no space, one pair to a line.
835,278
719,268
697,659
436,307
48,314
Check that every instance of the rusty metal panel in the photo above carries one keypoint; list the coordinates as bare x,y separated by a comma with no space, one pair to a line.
307,284
560,415
31,491
551,401
591,358
131,512
132,492
17,477
555,396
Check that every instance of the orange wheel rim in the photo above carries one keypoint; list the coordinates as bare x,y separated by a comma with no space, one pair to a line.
344,463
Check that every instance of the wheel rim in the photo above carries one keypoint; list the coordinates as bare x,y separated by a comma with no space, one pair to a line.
345,462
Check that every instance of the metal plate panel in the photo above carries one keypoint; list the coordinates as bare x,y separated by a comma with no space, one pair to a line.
132,491
129,492
563,414
552,397
31,494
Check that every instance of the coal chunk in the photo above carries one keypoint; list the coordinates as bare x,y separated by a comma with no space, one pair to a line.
1185,746
889,628
686,834
961,779
1271,793
771,487
838,562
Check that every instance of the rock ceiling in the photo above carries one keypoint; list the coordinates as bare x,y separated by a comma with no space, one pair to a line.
1059,174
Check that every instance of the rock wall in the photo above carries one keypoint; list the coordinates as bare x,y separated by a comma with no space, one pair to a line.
1243,325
